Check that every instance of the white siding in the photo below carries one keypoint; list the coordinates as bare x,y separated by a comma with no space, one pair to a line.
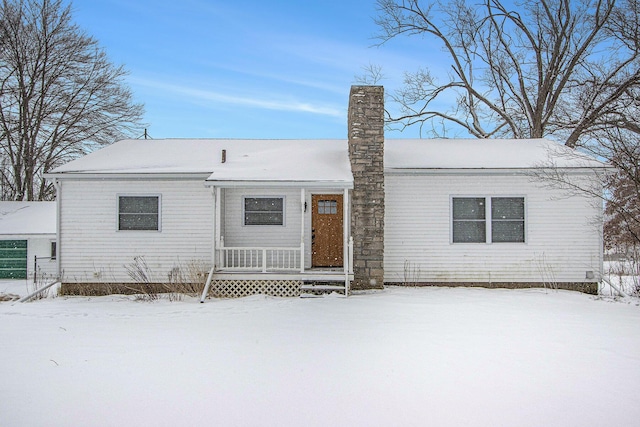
563,239
93,250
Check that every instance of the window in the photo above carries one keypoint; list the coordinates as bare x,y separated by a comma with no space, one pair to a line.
327,207
54,250
507,219
470,225
139,213
264,211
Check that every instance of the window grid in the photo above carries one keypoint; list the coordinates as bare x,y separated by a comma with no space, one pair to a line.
327,207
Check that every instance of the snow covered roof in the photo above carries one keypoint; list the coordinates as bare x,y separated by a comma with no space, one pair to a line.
27,218
246,160
482,154
320,161
325,161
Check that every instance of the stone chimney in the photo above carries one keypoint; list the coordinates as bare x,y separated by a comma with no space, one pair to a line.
366,153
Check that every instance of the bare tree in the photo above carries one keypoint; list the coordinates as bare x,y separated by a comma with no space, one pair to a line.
371,75
560,68
622,226
60,97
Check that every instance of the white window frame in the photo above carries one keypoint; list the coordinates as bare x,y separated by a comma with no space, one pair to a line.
284,210
159,196
488,218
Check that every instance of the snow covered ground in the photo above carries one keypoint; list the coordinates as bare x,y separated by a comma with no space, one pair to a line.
401,357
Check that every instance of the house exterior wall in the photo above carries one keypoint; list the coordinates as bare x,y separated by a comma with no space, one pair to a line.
562,238
92,250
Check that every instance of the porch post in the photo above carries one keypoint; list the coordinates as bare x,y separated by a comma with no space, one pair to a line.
218,232
346,229
214,224
302,225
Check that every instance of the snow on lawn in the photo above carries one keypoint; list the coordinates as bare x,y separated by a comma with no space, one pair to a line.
402,356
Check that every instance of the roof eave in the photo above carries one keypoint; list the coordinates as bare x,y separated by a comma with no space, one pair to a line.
128,175
492,171
280,183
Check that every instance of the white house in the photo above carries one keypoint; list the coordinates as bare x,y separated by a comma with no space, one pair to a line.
278,216
27,239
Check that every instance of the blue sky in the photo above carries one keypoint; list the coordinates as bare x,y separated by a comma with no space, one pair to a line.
247,69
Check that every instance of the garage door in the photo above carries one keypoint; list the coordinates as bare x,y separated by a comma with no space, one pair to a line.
13,259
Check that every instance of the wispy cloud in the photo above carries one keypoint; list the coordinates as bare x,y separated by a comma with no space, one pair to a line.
280,74
348,58
278,104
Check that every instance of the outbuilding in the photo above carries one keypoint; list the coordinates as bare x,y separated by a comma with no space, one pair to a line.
27,239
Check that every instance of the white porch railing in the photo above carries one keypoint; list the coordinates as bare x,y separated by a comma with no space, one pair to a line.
262,259
268,259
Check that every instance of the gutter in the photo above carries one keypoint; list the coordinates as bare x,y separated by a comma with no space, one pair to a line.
269,183
122,176
492,171
58,185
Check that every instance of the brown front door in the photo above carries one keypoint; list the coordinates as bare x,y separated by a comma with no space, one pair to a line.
326,234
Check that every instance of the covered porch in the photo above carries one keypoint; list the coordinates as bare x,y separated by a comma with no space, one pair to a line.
280,238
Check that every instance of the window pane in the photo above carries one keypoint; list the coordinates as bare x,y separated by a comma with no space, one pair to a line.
138,222
507,231
468,208
261,204
263,218
469,232
507,208
136,204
